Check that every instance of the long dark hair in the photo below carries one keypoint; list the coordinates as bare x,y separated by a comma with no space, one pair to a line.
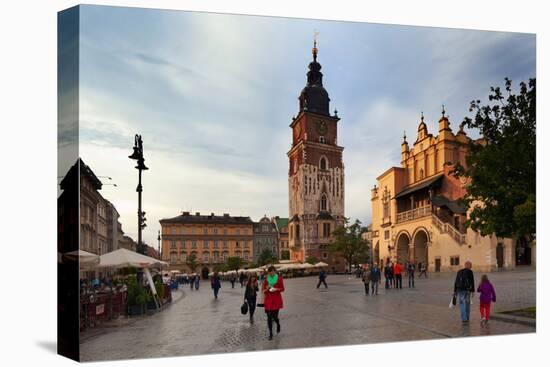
249,281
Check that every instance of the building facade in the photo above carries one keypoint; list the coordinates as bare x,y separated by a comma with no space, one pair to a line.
316,174
211,239
416,212
282,230
113,226
93,212
265,238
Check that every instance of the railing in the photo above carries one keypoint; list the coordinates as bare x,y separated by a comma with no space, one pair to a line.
449,229
423,211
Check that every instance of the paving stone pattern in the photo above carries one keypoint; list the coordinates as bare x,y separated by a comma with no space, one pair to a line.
339,315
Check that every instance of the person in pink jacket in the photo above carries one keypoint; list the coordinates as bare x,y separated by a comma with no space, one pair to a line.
486,296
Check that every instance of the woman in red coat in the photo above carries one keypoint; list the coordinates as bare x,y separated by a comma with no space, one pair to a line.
273,301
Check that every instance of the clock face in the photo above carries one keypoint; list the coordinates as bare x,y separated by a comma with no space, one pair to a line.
322,127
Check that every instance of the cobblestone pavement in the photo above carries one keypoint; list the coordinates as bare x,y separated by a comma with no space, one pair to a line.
339,315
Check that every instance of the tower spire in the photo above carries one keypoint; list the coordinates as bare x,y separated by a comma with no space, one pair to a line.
314,50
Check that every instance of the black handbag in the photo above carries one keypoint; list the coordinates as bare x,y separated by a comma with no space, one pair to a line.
244,308
454,299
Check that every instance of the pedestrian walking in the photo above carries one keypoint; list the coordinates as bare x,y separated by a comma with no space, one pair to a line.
423,268
242,278
322,279
410,273
233,280
273,287
192,282
197,282
397,275
388,275
464,286
250,293
486,296
216,284
375,278
366,278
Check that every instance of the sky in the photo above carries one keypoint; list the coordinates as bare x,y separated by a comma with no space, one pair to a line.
213,96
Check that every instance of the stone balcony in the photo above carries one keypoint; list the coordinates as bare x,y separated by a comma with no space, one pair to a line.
423,211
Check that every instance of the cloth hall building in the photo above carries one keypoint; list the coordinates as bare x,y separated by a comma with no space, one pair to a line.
416,214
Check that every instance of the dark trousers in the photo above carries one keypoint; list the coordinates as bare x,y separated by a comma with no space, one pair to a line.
398,281
273,316
411,279
366,288
389,282
251,306
322,281
423,272
232,284
374,287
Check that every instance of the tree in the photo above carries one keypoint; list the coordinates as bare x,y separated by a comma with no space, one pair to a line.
234,263
266,257
312,260
349,244
501,168
192,262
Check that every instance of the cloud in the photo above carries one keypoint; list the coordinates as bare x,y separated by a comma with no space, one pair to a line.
213,95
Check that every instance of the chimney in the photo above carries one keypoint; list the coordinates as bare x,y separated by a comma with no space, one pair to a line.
211,214
226,215
198,213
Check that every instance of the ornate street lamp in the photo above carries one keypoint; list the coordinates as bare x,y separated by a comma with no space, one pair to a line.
138,156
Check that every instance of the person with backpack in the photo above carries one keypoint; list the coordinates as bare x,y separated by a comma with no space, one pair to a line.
486,296
464,286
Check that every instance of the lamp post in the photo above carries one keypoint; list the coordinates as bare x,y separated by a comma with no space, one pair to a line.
138,156
158,239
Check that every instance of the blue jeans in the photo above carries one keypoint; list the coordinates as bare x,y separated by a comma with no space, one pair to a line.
464,301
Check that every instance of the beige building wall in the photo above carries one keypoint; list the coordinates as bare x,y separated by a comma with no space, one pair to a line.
416,215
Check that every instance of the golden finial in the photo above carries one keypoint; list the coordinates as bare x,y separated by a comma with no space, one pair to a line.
422,116
314,50
443,110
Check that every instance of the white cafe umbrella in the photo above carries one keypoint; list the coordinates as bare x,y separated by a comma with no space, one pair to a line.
321,264
83,257
123,258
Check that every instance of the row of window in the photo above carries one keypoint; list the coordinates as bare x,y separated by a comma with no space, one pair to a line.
325,230
195,230
205,256
206,244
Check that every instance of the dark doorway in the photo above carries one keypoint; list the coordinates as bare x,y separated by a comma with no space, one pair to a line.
205,272
500,256
523,252
437,265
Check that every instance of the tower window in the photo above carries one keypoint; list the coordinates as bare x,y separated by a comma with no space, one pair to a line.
421,173
323,164
322,139
323,202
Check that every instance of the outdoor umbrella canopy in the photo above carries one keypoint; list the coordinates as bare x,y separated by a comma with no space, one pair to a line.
81,256
123,258
321,264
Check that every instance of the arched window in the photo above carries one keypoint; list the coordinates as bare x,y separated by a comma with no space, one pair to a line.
323,164
324,202
421,173
322,139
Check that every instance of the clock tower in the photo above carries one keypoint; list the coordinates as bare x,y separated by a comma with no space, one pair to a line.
316,173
